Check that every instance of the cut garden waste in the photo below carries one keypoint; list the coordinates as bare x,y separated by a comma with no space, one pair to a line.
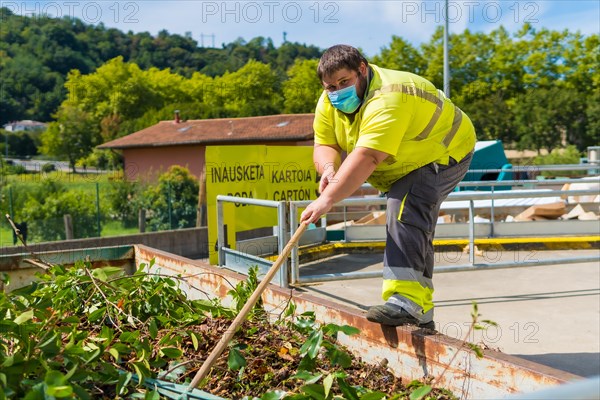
97,333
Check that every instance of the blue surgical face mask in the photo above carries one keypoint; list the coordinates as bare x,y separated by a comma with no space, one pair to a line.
346,100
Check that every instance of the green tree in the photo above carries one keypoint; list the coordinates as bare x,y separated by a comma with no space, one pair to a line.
20,144
547,118
255,89
492,118
116,88
73,135
120,98
302,88
401,55
119,93
287,54
592,112
581,62
30,90
543,60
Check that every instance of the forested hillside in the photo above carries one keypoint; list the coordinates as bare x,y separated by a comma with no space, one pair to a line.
36,53
535,89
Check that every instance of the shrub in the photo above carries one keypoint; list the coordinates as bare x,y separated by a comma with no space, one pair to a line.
570,155
173,203
124,199
44,212
16,169
48,167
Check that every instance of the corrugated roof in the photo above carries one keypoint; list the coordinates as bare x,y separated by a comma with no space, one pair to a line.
277,128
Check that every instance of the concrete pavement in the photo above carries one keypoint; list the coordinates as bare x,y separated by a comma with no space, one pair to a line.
546,314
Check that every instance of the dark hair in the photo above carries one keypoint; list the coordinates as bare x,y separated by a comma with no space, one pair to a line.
338,57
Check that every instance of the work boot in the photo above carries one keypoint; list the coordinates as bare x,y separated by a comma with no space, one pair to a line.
393,315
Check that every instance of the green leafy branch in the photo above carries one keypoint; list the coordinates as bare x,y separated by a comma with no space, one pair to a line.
97,333
65,335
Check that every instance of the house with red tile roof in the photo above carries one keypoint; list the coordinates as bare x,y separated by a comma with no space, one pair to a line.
151,151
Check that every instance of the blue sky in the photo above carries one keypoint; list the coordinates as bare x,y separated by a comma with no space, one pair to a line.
365,24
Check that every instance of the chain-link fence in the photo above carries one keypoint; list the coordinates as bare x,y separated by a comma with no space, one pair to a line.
47,210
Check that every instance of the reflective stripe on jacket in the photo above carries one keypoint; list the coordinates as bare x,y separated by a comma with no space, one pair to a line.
403,115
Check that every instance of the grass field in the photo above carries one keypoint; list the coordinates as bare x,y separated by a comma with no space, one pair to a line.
114,228
84,183
5,235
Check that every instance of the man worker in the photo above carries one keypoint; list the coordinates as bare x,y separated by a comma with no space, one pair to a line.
408,140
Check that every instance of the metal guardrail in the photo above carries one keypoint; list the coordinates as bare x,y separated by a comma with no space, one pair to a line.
455,196
527,182
540,168
531,182
238,260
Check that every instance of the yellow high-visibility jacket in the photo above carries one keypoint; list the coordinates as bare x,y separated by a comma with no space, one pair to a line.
403,115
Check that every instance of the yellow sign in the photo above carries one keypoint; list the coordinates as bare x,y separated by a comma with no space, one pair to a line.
279,173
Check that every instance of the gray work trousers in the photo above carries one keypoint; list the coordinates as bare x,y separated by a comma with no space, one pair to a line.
413,205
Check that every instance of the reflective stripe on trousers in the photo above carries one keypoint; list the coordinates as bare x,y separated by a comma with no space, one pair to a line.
413,205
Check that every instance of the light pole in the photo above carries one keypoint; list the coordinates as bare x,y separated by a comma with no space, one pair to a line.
446,65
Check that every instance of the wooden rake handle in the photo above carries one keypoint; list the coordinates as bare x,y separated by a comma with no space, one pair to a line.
226,338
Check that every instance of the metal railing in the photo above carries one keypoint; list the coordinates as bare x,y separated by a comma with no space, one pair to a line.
288,222
528,182
241,261
456,196
525,183
540,168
